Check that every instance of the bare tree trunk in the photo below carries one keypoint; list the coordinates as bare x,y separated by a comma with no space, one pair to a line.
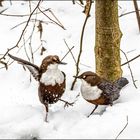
108,36
137,12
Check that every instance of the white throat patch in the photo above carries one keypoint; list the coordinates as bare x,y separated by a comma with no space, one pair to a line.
52,76
88,92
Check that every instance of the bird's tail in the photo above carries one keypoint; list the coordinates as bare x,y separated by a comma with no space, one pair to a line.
121,82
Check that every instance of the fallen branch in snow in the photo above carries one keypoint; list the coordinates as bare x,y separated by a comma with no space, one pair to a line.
123,128
81,43
130,60
23,31
129,68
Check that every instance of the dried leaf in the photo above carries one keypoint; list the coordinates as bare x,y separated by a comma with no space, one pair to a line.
40,28
42,50
87,7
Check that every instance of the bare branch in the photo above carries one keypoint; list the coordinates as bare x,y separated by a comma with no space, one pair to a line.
81,44
56,17
130,60
129,68
123,128
128,13
51,19
12,15
67,53
23,31
70,51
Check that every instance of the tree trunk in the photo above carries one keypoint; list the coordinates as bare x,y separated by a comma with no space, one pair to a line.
108,36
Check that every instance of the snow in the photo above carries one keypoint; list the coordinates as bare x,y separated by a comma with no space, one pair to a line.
21,113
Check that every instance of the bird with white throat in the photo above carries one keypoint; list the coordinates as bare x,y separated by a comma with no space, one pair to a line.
99,91
52,81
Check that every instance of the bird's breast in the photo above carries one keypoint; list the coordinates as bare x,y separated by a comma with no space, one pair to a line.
90,92
52,77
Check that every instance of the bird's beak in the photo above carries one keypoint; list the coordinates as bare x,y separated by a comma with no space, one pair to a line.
62,63
77,77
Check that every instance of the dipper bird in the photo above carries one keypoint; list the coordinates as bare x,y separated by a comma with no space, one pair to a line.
99,91
52,81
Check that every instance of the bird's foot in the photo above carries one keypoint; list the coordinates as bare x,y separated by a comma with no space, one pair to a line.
67,104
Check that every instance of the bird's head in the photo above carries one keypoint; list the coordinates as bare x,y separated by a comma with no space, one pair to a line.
51,61
90,77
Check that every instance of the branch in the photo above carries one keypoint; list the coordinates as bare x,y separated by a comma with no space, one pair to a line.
123,128
128,13
129,68
70,51
52,19
130,60
23,31
12,15
67,53
81,43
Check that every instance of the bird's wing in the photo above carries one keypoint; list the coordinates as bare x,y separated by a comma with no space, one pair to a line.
34,69
110,90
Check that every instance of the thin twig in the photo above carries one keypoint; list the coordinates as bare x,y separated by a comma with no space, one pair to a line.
3,11
70,51
129,68
51,19
123,128
56,17
130,60
12,15
23,31
81,45
32,20
128,13
67,53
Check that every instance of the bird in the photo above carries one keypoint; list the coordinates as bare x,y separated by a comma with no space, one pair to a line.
52,81
99,91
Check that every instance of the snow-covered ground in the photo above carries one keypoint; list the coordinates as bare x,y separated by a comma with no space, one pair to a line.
21,113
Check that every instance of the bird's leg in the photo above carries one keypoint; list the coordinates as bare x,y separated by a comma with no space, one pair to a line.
66,103
46,107
93,110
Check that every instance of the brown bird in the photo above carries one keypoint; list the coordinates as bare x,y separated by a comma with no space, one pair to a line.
99,91
52,81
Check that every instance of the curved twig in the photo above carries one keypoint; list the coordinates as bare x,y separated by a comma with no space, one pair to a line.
81,45
129,68
123,128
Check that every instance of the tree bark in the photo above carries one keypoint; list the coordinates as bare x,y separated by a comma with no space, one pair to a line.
108,37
